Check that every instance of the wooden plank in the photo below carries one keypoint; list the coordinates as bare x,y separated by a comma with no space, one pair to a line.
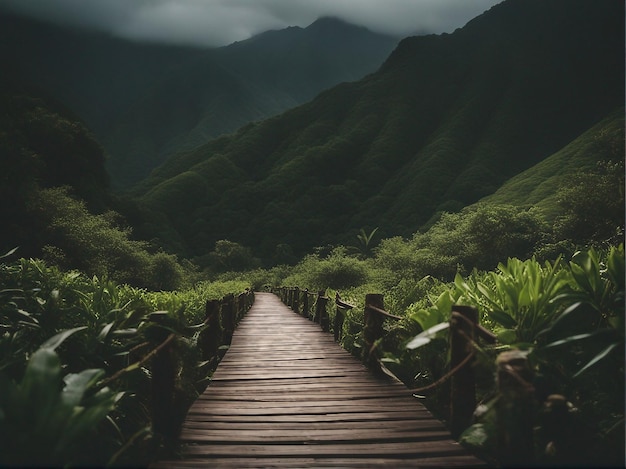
276,419
381,426
388,405
326,435
286,395
351,462
422,449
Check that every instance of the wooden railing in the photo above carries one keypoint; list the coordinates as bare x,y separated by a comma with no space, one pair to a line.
513,373
221,318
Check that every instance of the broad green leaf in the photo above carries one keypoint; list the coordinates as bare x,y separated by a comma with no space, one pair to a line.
417,342
444,303
53,342
41,383
460,283
502,318
507,336
561,317
524,297
597,358
511,293
572,338
488,295
426,336
475,436
11,252
615,266
26,316
77,383
81,423
124,332
104,333
427,318
582,277
156,315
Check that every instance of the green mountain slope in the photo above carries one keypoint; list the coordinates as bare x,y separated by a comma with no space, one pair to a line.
444,122
42,145
231,86
538,185
146,101
95,75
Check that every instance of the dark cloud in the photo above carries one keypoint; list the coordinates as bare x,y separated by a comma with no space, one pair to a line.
220,22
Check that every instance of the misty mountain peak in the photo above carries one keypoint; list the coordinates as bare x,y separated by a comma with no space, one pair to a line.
324,22
332,25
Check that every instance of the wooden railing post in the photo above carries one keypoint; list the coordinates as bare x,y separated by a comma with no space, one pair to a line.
241,306
296,300
316,314
320,307
162,383
211,337
372,330
324,318
338,324
228,318
305,303
463,322
515,409
163,371
249,300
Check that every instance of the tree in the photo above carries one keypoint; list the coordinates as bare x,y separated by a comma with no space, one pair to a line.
365,242
593,205
229,255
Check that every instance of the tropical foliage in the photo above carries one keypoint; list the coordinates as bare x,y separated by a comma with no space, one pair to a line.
567,317
76,368
106,283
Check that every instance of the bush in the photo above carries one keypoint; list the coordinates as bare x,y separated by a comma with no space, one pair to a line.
73,383
73,238
337,271
479,236
593,206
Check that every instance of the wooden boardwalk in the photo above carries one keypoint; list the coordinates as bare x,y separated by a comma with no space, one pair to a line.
286,395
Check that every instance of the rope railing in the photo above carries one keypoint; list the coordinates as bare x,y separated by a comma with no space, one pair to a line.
444,378
383,312
514,375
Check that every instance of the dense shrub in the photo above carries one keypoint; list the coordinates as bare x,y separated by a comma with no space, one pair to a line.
479,237
74,390
592,206
73,238
337,270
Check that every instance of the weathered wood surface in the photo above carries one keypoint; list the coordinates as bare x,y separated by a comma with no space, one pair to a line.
286,395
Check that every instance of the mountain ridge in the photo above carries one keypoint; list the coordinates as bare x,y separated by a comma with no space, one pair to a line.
245,81
444,122
145,101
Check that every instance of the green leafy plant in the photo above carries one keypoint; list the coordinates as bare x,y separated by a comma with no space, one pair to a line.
596,305
364,247
520,298
47,418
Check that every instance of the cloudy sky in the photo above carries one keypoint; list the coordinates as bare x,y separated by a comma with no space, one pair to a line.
221,22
